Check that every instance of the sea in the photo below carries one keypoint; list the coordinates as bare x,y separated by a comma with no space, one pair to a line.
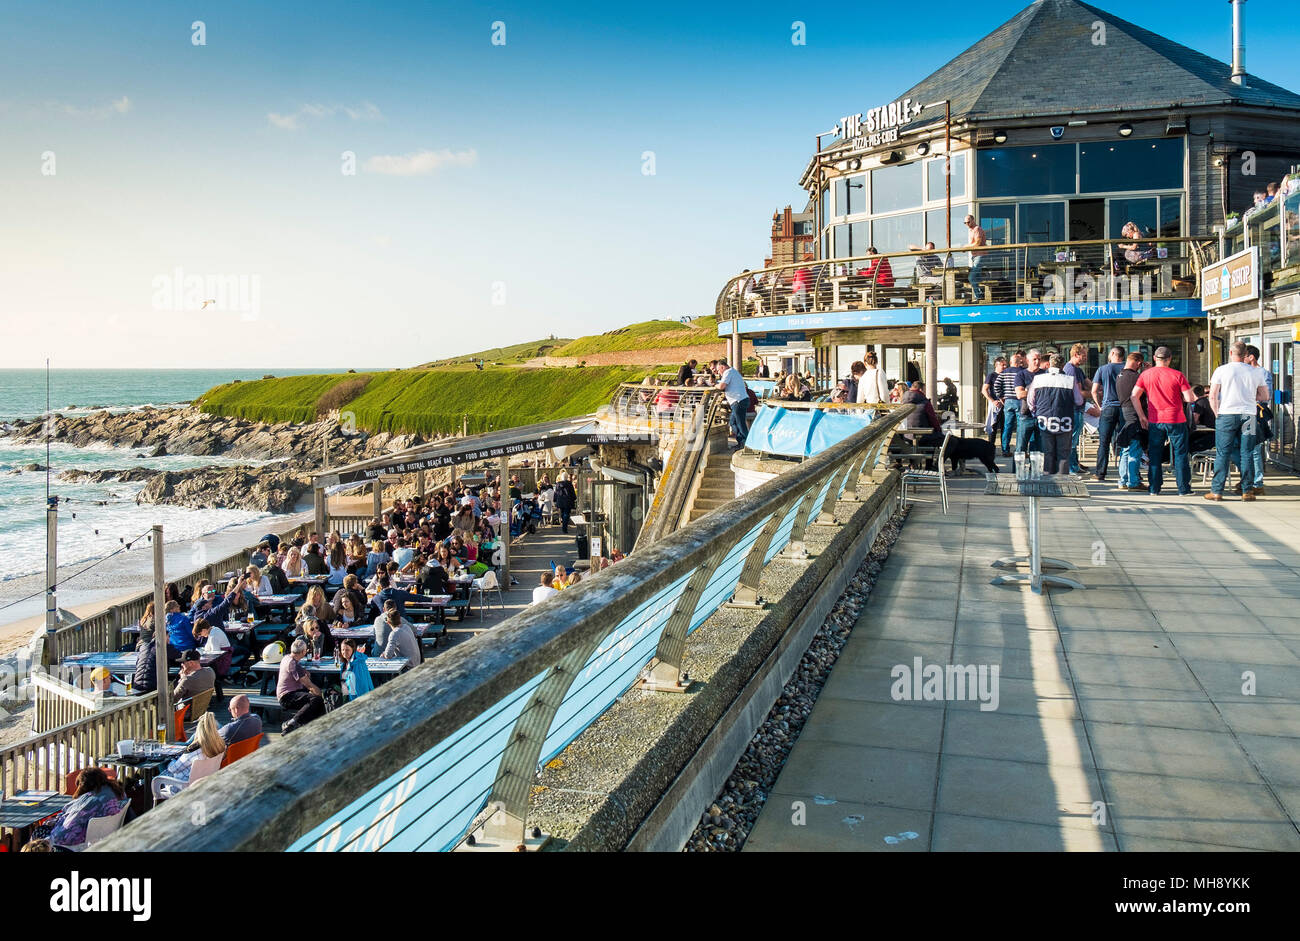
98,519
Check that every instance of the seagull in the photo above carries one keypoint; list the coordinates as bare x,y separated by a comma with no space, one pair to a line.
206,303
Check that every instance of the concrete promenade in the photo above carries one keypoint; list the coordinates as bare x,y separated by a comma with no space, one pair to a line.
1159,709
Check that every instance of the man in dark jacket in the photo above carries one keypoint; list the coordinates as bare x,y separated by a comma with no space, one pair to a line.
566,498
275,575
433,579
686,373
388,593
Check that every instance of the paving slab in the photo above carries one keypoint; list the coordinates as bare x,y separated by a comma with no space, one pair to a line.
1156,710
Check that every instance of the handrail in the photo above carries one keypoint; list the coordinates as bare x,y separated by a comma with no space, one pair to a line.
683,466
1020,270
410,765
42,761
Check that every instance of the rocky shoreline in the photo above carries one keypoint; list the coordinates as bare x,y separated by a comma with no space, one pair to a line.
286,454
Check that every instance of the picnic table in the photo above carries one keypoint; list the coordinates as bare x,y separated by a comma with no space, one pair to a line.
121,661
386,669
150,760
1036,488
21,811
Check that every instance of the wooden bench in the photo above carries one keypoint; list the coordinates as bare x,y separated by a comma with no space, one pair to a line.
267,706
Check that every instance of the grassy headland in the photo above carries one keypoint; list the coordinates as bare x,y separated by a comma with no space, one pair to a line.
427,401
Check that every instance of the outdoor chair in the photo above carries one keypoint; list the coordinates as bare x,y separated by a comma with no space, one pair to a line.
485,583
240,749
915,478
100,828
165,787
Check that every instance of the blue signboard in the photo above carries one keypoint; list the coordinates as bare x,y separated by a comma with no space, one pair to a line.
831,320
781,338
1138,310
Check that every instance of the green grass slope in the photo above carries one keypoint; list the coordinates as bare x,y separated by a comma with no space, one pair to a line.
292,398
431,401
518,353
649,335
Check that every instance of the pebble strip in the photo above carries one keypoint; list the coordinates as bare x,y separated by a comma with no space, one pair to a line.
727,822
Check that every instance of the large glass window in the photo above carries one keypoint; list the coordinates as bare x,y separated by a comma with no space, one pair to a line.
1131,165
1044,170
1171,216
1141,211
934,226
896,187
934,177
998,223
1044,223
1041,222
850,195
852,239
895,234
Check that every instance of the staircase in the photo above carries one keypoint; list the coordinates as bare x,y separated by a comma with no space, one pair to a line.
717,486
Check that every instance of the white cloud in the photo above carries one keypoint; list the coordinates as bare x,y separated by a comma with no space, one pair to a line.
291,122
116,106
418,164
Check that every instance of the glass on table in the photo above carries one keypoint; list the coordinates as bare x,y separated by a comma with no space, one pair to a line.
1036,462
1022,466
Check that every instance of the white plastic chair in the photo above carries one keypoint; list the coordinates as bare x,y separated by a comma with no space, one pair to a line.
940,476
100,828
164,787
485,583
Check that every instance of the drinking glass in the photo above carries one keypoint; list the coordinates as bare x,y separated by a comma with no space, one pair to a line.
1022,466
1036,457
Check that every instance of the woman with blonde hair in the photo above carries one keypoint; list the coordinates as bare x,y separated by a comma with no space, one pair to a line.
207,743
293,565
316,598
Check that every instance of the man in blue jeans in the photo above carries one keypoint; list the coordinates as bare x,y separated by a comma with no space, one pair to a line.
1235,388
1078,353
733,387
1004,388
1105,397
1128,440
1026,426
1161,396
1252,359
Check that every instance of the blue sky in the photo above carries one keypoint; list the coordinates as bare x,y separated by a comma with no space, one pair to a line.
499,193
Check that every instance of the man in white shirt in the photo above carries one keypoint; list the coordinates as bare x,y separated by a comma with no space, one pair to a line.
544,589
1235,387
733,387
1252,359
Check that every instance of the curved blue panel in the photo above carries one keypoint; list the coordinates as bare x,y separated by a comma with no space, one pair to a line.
821,498
430,803
722,584
781,538
611,668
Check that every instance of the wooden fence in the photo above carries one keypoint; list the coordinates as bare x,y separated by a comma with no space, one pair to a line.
44,761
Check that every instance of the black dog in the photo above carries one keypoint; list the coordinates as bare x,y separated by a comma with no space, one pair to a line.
961,450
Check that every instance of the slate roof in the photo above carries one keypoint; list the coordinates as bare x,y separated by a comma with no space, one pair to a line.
1043,61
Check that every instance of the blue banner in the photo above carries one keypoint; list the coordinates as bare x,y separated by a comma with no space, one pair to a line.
880,317
1137,310
801,432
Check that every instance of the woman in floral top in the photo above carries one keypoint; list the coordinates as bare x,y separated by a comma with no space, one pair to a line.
97,795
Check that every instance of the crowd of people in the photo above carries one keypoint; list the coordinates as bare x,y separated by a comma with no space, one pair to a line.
1144,410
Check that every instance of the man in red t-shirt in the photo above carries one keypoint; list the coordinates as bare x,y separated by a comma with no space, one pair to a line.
1160,397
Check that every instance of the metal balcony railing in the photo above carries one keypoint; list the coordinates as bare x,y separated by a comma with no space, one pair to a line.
413,764
1077,272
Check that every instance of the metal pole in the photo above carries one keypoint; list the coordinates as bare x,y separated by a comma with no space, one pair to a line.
419,486
505,524
947,175
165,718
322,514
932,353
51,576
